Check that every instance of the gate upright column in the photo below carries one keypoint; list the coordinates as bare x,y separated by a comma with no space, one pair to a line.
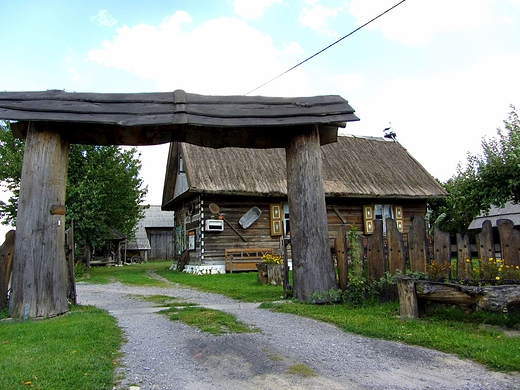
313,271
39,276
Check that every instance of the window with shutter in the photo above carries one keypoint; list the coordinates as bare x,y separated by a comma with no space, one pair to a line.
382,212
368,219
399,218
276,219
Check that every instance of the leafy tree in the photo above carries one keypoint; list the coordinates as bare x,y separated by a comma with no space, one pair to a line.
104,189
490,178
11,158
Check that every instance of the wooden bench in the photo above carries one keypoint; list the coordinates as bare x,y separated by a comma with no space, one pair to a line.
244,259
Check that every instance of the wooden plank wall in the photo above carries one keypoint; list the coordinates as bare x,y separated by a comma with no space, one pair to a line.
210,245
232,209
350,212
161,242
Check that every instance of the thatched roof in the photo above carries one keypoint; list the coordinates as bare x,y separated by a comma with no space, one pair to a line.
155,118
510,211
353,167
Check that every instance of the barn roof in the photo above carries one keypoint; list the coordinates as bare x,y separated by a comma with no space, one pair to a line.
353,167
154,217
510,211
155,118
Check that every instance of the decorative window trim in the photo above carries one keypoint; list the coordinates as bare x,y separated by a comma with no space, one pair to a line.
276,219
368,217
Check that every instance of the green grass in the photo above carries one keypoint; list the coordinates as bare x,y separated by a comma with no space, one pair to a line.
242,286
133,275
75,351
208,320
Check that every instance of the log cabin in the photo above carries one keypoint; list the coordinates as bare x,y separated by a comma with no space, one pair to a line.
213,191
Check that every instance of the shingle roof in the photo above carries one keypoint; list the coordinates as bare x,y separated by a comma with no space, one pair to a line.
353,166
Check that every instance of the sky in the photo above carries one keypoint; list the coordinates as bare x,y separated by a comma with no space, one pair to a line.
442,73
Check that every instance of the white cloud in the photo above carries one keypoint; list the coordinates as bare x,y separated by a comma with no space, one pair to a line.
104,18
440,118
415,22
252,9
317,17
347,83
221,56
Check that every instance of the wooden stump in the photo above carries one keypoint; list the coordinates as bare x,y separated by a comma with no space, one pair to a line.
271,274
408,305
39,279
6,263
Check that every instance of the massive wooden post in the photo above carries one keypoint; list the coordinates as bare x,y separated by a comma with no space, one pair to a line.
313,271
39,278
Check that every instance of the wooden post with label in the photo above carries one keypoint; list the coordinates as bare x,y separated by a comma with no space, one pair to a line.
39,277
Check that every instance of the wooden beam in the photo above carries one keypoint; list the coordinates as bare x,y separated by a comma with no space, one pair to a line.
39,277
313,270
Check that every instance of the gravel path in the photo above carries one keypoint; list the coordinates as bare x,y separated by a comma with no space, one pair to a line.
164,354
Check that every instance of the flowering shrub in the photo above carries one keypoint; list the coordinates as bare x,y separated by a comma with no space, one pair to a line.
438,271
269,258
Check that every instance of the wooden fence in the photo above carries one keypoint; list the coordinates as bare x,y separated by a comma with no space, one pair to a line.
416,251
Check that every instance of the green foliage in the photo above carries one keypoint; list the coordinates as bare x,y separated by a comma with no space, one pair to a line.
104,189
490,178
11,158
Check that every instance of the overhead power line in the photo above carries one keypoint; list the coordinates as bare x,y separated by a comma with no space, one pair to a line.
328,47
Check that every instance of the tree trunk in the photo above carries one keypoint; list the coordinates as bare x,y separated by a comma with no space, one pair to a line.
313,270
39,278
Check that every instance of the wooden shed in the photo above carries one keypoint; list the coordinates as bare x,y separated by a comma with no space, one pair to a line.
51,120
365,178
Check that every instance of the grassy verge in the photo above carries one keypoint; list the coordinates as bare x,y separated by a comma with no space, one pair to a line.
447,330
208,320
75,351
242,286
133,275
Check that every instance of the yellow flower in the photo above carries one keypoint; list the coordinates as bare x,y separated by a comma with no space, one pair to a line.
497,277
468,261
